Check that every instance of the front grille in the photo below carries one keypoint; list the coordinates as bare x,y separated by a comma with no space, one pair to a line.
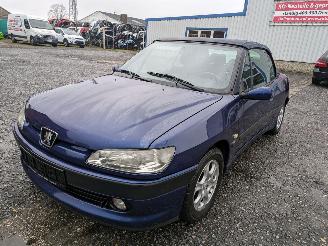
90,197
57,177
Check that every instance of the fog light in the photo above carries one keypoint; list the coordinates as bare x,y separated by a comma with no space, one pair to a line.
119,204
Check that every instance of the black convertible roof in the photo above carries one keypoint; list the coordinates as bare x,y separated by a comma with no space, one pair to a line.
241,43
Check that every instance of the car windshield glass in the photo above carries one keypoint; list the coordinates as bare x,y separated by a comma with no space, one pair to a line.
69,32
207,66
40,24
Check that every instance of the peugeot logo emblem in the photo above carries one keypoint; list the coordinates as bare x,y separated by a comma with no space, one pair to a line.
48,137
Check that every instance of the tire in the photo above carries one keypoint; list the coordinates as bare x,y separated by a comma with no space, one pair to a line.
54,45
66,44
81,46
279,121
13,40
195,206
315,81
32,41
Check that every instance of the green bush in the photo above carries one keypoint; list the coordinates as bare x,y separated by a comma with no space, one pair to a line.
1,36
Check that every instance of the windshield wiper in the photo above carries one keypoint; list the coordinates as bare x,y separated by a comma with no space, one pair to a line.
176,80
132,74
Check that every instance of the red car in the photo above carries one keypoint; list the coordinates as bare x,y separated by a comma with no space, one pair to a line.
320,72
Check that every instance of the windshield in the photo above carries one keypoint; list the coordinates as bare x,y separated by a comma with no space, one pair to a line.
69,32
40,24
207,66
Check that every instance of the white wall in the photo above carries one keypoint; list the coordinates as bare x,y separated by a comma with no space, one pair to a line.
288,43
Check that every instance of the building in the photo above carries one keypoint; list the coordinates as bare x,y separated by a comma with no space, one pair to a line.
3,20
276,24
3,13
113,18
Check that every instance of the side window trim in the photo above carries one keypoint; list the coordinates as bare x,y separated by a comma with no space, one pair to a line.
246,58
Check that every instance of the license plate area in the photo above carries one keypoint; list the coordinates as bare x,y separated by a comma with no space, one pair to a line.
53,174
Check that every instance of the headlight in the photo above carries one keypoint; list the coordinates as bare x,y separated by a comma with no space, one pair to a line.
133,161
21,119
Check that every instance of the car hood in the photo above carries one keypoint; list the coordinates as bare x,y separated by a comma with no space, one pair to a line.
114,112
44,31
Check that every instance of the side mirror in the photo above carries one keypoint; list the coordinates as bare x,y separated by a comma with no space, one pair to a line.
262,93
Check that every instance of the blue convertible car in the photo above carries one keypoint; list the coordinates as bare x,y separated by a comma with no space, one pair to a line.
150,143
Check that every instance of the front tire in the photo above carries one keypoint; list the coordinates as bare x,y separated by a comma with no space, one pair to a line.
32,41
13,40
203,188
66,44
81,46
279,121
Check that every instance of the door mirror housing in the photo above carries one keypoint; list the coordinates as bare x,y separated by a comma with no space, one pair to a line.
262,93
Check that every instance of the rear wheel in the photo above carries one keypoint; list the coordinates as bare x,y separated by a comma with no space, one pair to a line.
54,45
203,187
279,121
82,46
315,81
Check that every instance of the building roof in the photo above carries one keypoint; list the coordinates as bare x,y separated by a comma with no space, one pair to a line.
3,13
237,42
131,20
117,17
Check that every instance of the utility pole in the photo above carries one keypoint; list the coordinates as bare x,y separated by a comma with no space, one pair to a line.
73,10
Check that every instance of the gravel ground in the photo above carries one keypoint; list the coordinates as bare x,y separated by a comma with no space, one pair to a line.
277,193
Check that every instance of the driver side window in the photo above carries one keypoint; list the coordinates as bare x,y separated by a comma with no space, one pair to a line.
258,70
26,24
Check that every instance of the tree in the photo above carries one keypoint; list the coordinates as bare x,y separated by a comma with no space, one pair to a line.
57,11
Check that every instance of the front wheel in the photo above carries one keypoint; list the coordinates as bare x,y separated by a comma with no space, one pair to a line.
81,46
54,45
13,39
32,41
66,44
203,187
279,121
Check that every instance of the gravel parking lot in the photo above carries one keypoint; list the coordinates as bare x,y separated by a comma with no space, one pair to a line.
277,193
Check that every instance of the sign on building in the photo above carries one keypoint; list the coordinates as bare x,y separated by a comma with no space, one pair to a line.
301,12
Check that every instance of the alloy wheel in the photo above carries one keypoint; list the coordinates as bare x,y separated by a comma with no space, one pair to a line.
280,118
206,185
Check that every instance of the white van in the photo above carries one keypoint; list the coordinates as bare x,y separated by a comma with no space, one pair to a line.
32,30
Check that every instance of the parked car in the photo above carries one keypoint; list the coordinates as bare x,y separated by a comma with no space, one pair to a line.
320,72
150,143
69,37
30,29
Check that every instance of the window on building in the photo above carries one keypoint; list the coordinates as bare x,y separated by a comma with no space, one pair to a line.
206,33
193,34
219,34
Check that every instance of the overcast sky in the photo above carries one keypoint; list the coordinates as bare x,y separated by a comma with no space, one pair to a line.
134,8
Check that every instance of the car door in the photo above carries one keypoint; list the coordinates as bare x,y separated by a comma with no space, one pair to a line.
264,74
60,35
253,118
27,29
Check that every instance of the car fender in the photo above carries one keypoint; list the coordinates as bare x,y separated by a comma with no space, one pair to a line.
193,137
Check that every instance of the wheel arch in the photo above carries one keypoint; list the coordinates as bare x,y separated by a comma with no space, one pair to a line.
224,146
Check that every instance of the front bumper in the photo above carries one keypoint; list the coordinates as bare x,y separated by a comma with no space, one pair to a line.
76,42
46,40
150,203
